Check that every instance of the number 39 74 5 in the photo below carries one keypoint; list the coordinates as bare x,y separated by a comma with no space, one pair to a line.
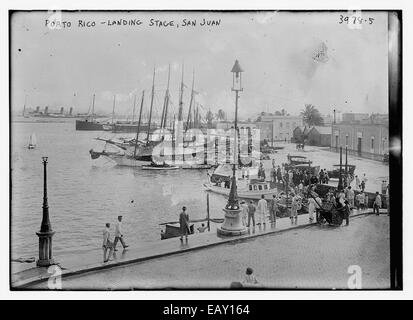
355,20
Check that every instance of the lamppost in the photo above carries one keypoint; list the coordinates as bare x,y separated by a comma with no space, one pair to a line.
45,234
340,176
232,225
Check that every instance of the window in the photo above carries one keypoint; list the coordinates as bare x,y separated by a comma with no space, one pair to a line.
346,140
281,124
255,187
259,187
372,143
250,188
265,187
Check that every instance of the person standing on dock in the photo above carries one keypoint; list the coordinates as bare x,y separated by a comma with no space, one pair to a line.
273,210
361,200
294,208
262,210
107,244
279,175
350,197
363,182
119,235
377,204
311,209
244,213
251,213
184,223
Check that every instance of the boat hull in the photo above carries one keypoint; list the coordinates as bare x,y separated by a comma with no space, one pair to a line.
84,125
124,161
159,168
243,194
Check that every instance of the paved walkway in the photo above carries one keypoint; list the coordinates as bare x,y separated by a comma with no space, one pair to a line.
25,275
322,257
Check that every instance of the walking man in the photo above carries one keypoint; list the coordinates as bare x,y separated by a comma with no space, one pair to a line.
273,209
107,244
184,223
251,213
119,235
377,204
262,210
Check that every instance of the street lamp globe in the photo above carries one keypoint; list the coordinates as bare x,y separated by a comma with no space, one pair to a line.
237,76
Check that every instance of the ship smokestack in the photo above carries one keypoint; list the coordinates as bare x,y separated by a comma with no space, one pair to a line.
61,110
37,109
71,110
46,110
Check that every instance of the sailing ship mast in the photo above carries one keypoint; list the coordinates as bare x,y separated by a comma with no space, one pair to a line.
165,104
150,111
133,112
139,124
167,97
113,110
181,94
93,108
190,102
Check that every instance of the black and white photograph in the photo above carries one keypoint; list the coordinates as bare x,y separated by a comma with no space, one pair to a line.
205,150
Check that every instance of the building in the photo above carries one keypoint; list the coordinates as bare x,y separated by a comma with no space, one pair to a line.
242,125
367,138
319,136
278,127
351,117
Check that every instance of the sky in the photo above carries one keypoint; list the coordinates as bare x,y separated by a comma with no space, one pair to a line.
289,59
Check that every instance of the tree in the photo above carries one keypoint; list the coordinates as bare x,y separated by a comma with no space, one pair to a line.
221,115
311,116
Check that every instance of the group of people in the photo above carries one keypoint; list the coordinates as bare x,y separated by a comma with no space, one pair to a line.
108,244
257,214
361,183
323,176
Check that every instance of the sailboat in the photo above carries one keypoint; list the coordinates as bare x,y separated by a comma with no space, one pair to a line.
136,152
32,141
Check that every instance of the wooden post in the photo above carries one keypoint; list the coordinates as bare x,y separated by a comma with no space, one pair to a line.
209,226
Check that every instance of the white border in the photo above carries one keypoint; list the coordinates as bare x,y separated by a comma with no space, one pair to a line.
207,4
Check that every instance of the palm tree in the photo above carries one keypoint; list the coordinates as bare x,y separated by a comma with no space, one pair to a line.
311,116
221,115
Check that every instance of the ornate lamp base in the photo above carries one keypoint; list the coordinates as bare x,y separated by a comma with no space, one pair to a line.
232,225
45,249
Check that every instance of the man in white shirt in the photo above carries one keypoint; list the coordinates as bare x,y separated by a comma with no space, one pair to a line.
107,244
119,234
261,210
